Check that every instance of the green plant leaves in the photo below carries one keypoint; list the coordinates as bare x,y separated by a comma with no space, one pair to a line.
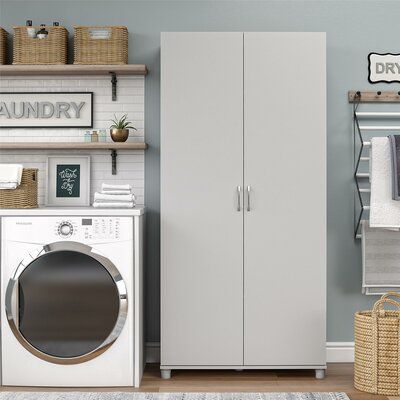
121,123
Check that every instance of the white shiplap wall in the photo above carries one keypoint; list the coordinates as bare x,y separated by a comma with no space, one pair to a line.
130,100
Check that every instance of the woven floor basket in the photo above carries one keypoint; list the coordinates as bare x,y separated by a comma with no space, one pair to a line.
90,48
377,346
51,50
26,195
3,46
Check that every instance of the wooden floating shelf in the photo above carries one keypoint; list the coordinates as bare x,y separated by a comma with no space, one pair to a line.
73,146
112,146
72,69
374,97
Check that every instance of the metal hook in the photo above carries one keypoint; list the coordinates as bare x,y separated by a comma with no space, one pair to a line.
113,86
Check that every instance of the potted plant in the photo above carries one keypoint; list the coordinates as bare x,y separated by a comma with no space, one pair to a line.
119,130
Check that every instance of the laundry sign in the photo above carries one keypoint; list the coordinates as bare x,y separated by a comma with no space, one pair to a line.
46,110
384,67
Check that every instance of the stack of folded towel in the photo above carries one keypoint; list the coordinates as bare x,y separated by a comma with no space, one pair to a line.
114,196
10,176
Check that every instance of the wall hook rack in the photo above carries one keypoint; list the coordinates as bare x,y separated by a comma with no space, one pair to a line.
356,98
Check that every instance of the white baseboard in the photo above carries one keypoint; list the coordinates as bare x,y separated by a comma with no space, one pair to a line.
335,352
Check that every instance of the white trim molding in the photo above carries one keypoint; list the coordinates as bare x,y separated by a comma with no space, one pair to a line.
340,352
336,352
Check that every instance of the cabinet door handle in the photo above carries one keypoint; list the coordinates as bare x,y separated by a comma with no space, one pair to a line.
248,198
238,190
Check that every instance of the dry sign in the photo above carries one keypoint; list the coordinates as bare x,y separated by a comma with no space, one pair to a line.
46,110
384,67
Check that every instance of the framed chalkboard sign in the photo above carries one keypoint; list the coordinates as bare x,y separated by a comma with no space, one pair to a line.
68,181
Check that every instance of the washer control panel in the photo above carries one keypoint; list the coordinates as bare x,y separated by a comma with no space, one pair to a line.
101,228
89,228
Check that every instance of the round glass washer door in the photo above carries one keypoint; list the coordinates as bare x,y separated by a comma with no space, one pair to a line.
66,304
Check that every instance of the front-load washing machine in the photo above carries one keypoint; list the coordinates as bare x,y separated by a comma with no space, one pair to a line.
68,296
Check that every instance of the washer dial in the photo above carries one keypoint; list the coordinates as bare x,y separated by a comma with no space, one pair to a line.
65,229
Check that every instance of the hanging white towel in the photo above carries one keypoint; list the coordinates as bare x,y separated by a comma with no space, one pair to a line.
381,259
101,197
384,211
107,187
10,176
115,204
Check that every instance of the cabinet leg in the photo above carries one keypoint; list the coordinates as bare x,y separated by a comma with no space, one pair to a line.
319,373
165,374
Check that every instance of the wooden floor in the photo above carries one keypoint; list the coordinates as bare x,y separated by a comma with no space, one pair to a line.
339,379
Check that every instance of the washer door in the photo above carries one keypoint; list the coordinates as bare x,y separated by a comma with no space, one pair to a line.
66,304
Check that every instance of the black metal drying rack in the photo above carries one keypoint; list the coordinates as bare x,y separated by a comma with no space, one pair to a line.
356,98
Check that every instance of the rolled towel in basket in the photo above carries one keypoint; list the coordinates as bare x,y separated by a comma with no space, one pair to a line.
10,176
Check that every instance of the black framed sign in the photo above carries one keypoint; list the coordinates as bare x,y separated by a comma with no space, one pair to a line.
46,109
383,67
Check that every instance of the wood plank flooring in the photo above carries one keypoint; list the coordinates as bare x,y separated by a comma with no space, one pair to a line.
339,379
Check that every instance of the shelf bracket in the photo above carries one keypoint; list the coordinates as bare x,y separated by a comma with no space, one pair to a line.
114,81
114,162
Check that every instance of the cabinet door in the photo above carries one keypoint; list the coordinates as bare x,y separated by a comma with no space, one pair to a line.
201,228
285,227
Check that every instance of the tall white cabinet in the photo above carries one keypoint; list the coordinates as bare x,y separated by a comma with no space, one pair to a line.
243,200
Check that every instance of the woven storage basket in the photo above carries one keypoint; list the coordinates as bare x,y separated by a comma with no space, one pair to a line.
26,194
377,349
92,48
3,46
51,50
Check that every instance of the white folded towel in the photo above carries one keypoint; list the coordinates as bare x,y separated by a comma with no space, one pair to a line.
384,211
101,197
106,187
10,176
116,192
115,204
8,185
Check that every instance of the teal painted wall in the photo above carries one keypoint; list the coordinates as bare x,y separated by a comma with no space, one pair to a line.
354,28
